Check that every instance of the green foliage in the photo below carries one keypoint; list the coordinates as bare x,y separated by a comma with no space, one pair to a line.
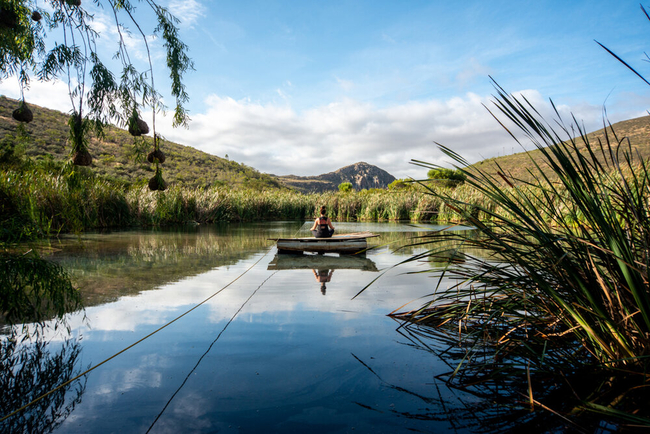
447,177
12,147
41,198
21,39
442,173
23,53
345,187
15,222
178,61
78,132
400,184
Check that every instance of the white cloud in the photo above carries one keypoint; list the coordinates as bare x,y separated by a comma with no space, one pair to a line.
346,85
110,35
281,94
277,139
187,11
473,70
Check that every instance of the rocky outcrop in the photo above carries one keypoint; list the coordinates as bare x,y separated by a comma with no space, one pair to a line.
361,175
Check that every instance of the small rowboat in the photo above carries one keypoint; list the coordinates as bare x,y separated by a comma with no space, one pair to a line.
345,243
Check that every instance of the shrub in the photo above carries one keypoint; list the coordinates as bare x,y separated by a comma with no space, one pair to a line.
345,187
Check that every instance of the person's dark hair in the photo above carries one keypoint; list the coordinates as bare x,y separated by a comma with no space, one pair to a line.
323,210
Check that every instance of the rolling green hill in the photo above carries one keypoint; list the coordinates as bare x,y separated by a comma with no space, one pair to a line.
115,156
516,165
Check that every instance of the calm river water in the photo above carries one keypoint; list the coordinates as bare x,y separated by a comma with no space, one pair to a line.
281,346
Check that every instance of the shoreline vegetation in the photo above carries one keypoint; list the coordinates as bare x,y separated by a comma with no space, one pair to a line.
40,201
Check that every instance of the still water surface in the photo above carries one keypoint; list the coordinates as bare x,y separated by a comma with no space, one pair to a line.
281,346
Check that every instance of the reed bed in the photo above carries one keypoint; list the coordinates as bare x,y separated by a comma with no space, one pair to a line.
39,201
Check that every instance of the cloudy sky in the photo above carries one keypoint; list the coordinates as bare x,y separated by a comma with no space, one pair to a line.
307,87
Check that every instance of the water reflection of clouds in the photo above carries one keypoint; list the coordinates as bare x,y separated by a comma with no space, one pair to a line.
127,314
286,291
114,383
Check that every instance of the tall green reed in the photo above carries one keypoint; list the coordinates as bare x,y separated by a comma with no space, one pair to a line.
39,200
561,287
570,250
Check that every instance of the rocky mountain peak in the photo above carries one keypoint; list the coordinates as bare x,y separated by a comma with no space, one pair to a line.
361,175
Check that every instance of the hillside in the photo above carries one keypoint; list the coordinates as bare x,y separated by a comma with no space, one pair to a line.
636,130
361,175
114,156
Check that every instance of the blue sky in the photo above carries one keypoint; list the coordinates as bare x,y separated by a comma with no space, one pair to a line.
307,87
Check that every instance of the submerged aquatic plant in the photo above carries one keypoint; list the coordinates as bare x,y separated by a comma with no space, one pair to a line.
566,283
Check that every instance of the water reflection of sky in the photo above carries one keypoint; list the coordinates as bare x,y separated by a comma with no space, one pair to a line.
292,360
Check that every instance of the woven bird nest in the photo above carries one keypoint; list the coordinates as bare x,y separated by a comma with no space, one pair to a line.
156,154
157,183
82,158
36,16
23,113
138,127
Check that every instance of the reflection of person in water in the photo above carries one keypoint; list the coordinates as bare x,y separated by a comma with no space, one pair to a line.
322,227
323,276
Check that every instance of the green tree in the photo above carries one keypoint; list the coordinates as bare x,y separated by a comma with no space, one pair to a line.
345,187
96,95
400,184
449,174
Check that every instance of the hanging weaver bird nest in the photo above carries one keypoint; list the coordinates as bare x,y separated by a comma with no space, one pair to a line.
8,17
156,154
138,127
72,2
82,158
23,113
36,16
157,183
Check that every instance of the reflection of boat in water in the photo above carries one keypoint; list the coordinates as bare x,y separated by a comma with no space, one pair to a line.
345,243
321,262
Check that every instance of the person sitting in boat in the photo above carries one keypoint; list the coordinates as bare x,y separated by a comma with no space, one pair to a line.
322,227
